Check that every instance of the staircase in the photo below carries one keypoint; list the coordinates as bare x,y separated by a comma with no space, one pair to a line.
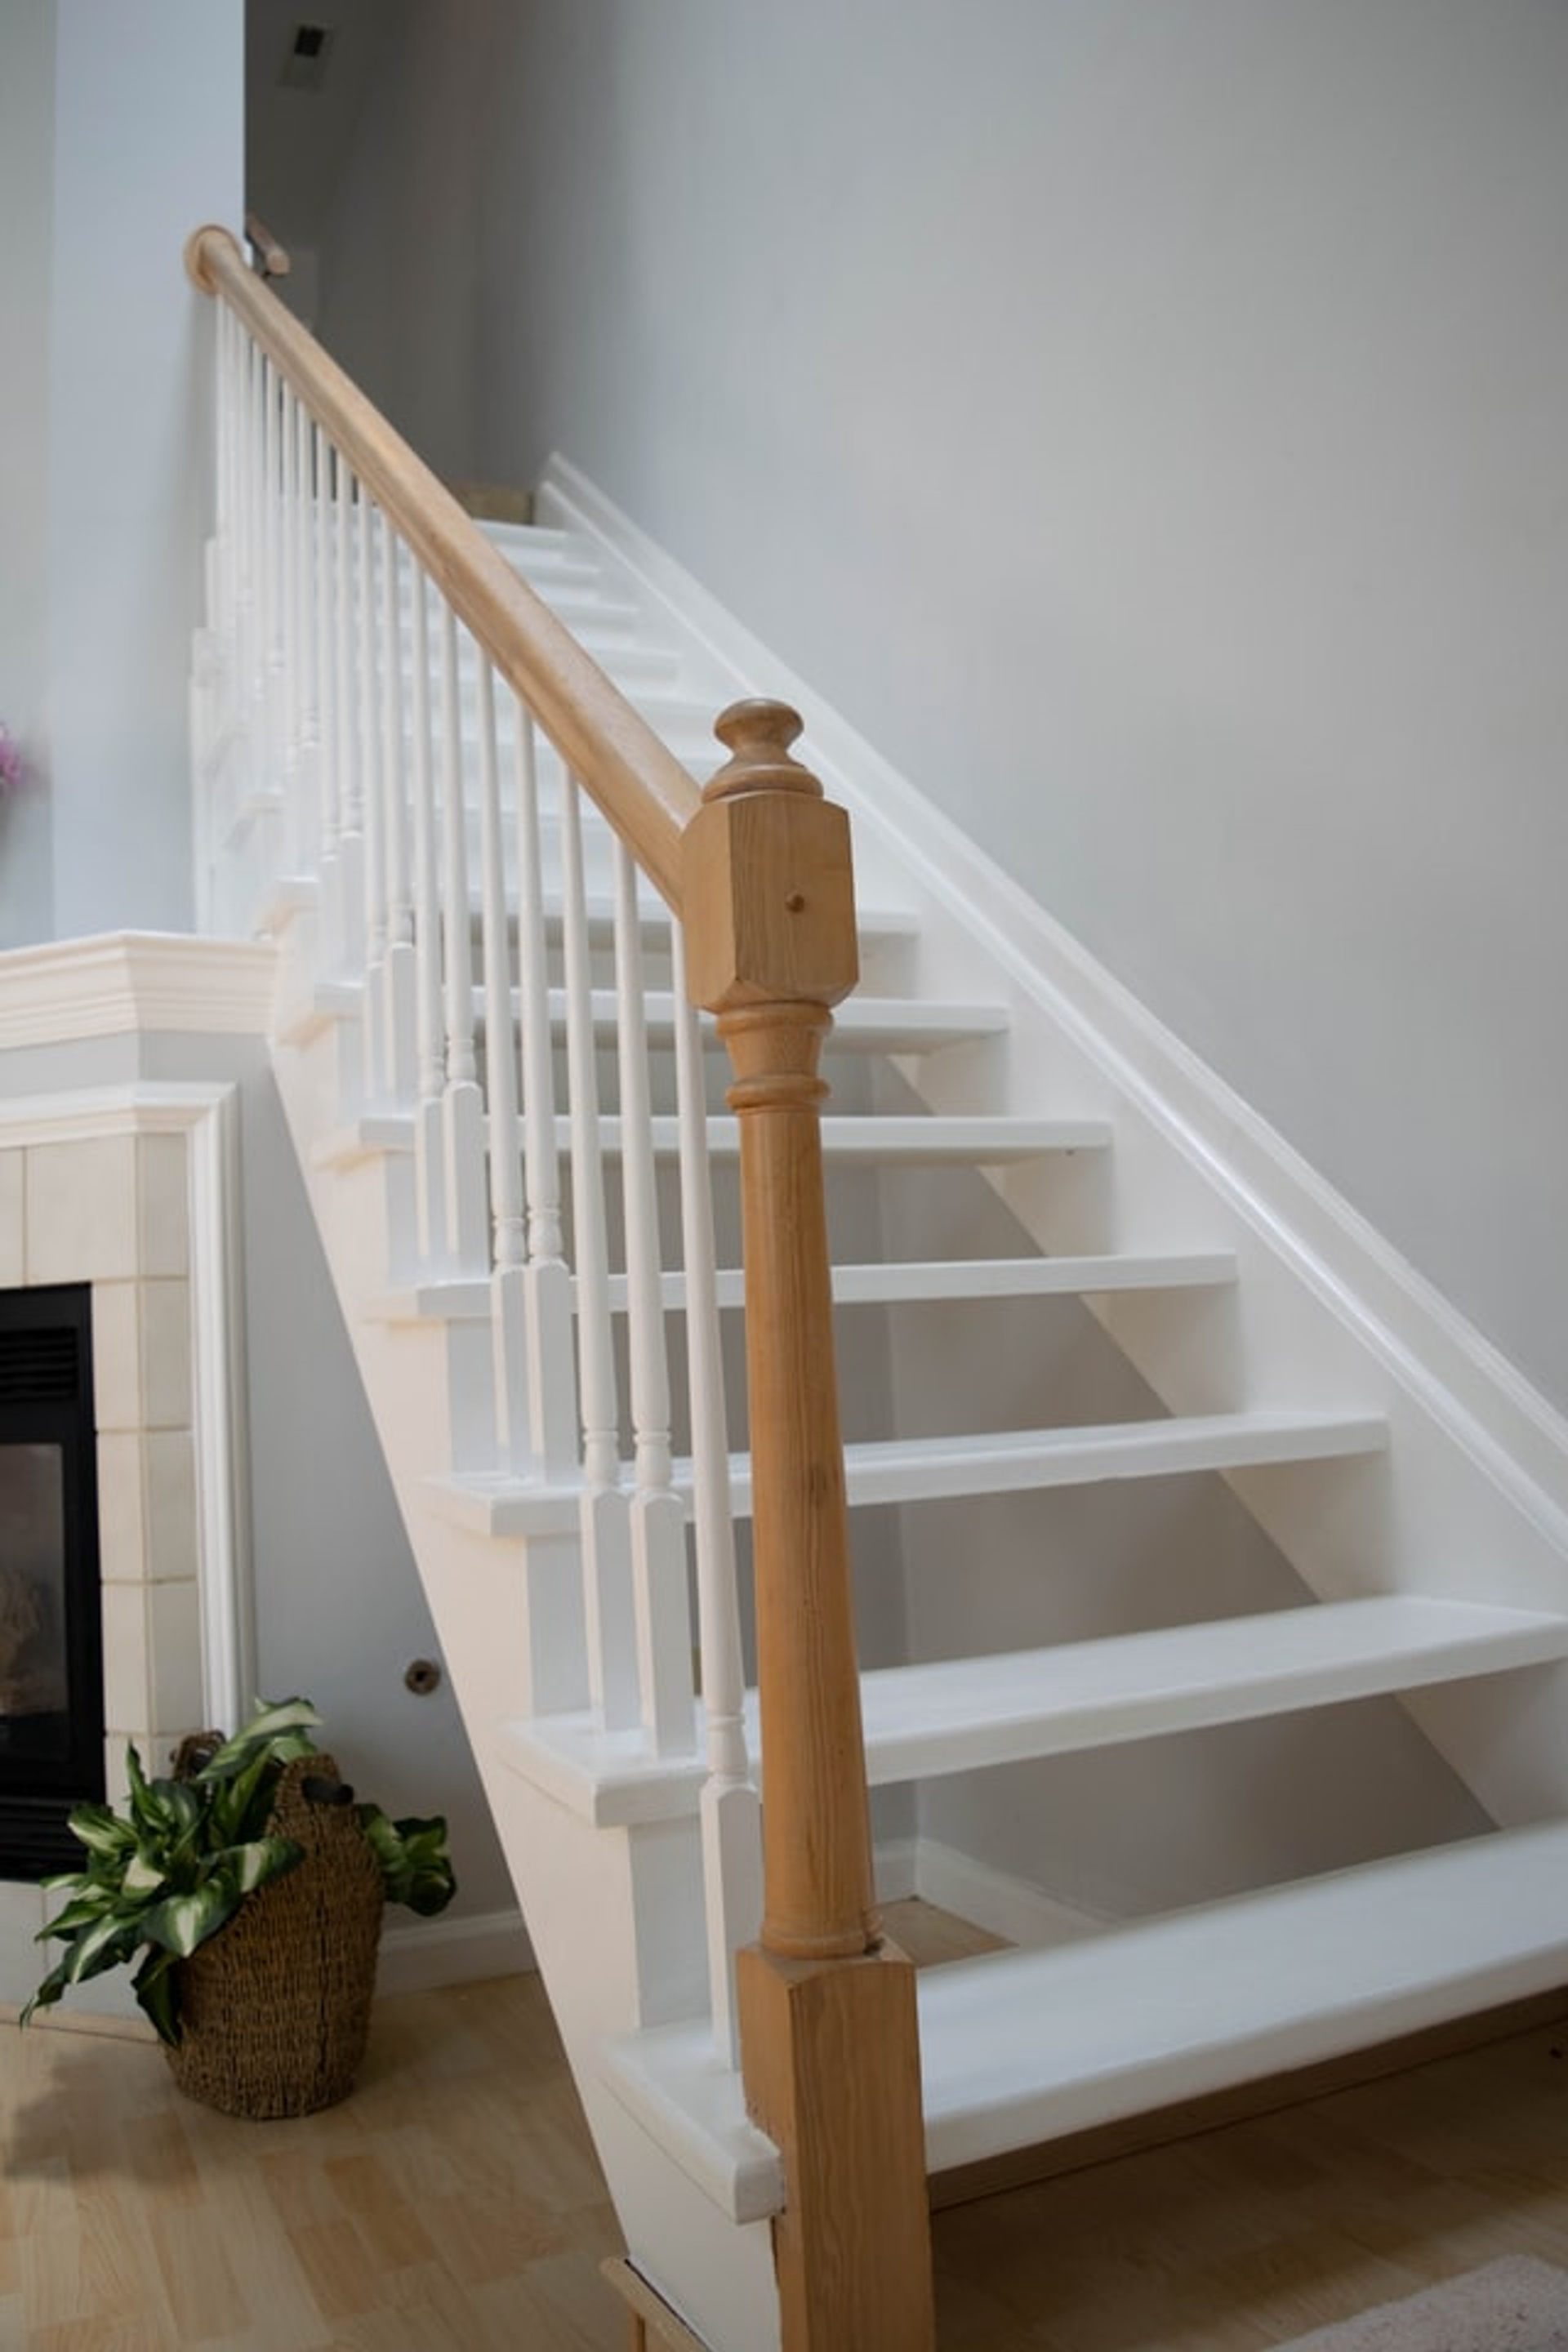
1176,1499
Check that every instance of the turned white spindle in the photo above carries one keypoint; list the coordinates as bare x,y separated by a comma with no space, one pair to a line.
462,1110
306,839
430,1211
227,373
658,1519
606,1534
367,711
395,1075
507,1303
289,607
275,685
327,772
247,662
547,1374
730,1816
347,907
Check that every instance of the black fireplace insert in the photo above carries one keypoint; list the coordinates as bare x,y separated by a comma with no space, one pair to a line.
51,1640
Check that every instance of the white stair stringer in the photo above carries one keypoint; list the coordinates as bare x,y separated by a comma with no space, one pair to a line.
1425,1508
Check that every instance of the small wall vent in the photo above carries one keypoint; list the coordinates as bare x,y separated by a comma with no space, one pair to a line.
305,65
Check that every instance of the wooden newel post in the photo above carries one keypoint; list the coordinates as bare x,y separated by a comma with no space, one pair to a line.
829,2033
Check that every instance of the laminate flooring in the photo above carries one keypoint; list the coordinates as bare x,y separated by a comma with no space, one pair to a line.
452,2204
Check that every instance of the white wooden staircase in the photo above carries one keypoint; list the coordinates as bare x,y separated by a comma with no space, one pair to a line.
994,1091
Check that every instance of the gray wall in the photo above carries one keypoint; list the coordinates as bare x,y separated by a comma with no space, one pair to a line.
26,206
130,136
1146,425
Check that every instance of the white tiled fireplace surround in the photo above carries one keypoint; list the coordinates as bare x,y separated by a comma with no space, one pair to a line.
129,1187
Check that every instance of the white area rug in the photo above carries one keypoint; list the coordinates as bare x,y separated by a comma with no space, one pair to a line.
1515,2305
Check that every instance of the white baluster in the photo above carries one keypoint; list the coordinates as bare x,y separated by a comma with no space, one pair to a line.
462,1107
288,668
274,683
547,1377
347,929
429,1190
369,716
606,1533
247,656
730,1814
397,1074
659,1521
301,842
508,1318
328,774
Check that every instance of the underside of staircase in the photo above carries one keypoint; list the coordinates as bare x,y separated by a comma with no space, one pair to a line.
1212,1586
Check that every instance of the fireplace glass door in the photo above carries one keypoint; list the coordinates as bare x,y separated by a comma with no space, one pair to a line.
51,1673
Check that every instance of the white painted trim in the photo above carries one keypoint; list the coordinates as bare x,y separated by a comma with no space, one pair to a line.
423,1956
1003,1905
1451,1372
132,981
897,1869
220,1416
207,1115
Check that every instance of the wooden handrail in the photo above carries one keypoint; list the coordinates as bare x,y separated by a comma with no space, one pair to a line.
275,262
637,785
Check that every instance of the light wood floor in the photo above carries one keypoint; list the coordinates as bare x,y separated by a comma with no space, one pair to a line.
452,2205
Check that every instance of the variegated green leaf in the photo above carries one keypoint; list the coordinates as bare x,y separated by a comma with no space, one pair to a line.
156,1987
262,1861
143,1875
88,1908
181,1922
281,1730
103,1945
99,1829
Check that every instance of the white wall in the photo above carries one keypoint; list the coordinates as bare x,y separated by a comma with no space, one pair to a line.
134,139
1146,425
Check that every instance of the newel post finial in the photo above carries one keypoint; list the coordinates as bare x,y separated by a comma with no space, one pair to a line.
757,733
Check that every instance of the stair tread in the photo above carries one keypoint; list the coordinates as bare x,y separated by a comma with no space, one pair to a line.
871,1024
1195,2001
952,1715
925,1139
893,1282
956,1714
1021,2047
890,1025
929,1469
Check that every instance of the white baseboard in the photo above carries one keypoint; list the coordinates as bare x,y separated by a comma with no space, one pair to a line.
1002,1905
1006,1906
425,1955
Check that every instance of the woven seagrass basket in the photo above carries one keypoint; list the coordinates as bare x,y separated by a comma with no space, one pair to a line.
275,2009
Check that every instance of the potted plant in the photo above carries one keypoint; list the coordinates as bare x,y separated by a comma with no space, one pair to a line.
248,1891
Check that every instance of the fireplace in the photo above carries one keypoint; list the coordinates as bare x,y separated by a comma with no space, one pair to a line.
51,1648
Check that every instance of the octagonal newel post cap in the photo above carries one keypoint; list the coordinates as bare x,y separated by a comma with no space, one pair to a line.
757,733
767,886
